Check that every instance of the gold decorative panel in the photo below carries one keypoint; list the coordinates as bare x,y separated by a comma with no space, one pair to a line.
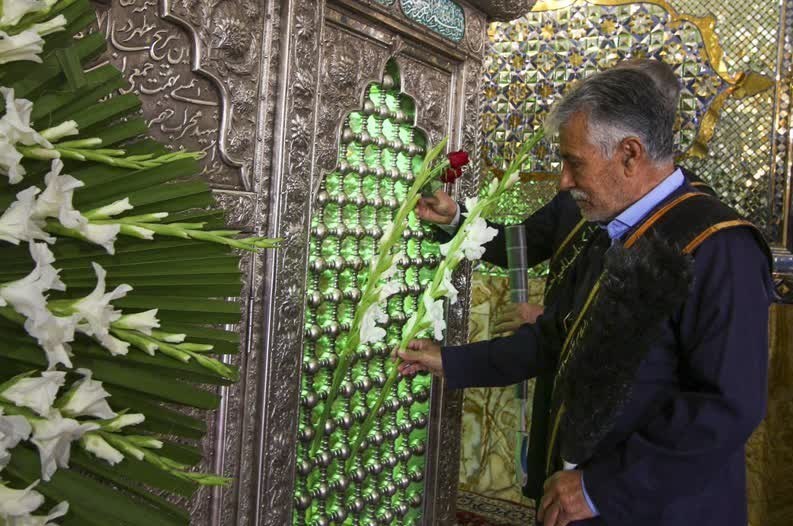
735,77
491,417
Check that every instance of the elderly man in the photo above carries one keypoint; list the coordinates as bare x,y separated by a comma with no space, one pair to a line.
555,232
657,340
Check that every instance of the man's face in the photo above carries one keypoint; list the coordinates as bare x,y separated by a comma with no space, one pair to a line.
595,182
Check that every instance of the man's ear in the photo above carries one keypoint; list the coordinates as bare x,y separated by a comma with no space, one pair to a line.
633,154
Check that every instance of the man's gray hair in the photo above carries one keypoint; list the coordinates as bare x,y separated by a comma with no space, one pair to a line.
619,103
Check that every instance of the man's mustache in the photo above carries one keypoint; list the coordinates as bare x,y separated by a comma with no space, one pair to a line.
579,195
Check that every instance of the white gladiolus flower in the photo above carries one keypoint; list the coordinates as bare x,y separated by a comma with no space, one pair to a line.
476,236
114,208
13,429
87,397
40,520
15,129
114,345
14,10
470,204
514,178
387,290
50,26
36,393
124,421
26,45
17,222
370,332
140,321
148,442
98,446
448,287
434,309
53,334
170,337
64,129
10,161
18,502
139,232
53,437
56,199
493,186
95,309
102,235
26,295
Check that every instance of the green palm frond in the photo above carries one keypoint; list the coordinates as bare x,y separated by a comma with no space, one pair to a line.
189,271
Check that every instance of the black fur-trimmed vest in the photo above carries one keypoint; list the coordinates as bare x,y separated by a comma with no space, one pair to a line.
643,281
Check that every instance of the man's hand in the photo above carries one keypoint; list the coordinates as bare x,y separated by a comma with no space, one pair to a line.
563,500
516,314
439,209
421,355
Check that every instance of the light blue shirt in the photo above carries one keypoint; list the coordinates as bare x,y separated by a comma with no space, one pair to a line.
626,221
638,210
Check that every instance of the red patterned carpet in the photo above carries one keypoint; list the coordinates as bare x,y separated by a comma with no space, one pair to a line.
477,510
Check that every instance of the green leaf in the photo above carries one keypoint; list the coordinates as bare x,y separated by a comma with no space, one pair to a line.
194,291
94,502
121,187
167,192
131,474
122,131
79,15
181,453
71,67
49,71
134,250
99,83
204,333
122,398
178,267
105,112
143,364
214,219
184,309
118,373
163,250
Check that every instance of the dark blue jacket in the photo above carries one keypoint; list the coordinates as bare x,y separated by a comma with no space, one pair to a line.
676,454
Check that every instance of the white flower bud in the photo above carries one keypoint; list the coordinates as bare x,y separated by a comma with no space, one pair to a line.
123,421
60,131
114,208
98,446
140,321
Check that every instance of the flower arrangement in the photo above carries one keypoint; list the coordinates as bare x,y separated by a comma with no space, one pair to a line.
468,243
370,309
113,270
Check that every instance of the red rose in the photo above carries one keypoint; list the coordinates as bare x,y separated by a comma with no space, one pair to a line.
456,162
451,175
458,159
